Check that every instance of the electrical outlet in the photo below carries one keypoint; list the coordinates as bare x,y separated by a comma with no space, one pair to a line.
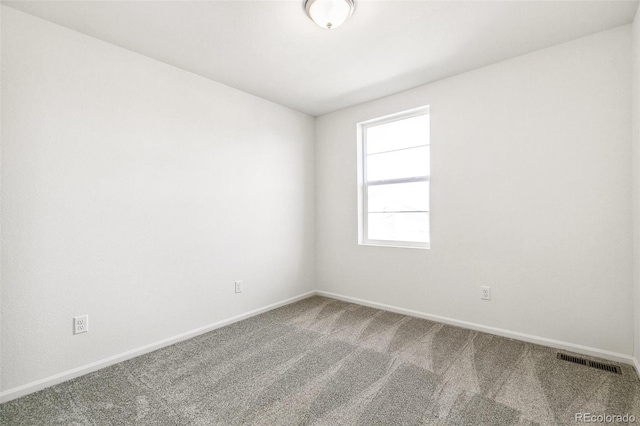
239,286
81,324
486,292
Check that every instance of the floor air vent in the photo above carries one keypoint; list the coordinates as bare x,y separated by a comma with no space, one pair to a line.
588,363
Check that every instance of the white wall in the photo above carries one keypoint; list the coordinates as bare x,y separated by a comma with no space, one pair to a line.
635,111
136,192
531,189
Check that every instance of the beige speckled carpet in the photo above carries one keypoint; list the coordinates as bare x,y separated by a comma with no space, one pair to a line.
325,362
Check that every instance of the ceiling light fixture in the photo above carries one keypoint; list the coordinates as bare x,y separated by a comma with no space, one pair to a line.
329,14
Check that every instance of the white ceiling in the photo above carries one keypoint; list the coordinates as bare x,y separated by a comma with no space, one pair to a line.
272,50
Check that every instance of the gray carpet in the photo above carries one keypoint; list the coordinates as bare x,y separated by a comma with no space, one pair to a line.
325,362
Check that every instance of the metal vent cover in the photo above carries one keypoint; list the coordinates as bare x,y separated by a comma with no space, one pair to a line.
588,363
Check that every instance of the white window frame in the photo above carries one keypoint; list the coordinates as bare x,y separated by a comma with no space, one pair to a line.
363,184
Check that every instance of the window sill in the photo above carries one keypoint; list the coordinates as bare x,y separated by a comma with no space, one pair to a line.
427,246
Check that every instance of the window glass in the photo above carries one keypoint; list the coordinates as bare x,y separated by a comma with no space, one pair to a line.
398,134
400,197
412,227
398,164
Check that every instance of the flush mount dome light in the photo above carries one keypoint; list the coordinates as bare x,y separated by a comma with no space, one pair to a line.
329,14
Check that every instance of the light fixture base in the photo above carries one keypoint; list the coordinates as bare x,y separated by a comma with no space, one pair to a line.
329,14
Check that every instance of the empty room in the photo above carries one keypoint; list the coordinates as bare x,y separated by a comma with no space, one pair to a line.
319,212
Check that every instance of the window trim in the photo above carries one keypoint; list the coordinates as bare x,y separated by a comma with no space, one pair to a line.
363,184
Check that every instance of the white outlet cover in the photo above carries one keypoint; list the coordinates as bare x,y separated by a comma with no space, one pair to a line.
81,324
486,292
239,286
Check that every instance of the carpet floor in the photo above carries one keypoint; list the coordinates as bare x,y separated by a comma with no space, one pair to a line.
326,362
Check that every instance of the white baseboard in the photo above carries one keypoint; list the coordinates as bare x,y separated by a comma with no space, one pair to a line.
572,347
23,390
636,364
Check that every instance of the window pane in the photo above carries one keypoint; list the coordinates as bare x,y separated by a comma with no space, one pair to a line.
412,227
398,134
399,197
398,164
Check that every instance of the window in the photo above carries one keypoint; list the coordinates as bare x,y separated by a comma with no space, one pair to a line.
394,176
